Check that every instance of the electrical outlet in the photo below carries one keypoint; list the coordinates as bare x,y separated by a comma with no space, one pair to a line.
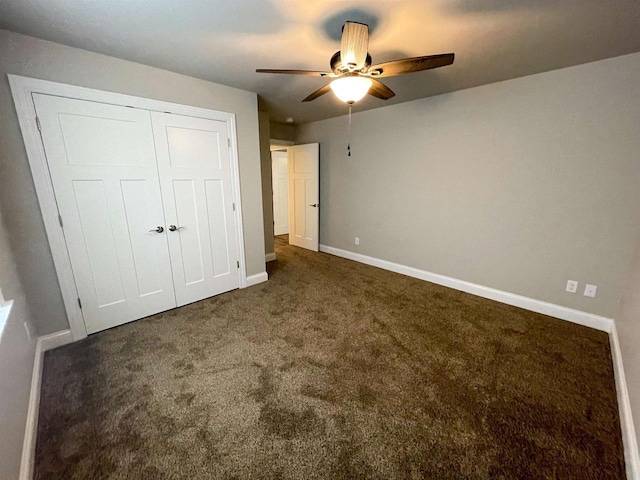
572,286
590,290
357,240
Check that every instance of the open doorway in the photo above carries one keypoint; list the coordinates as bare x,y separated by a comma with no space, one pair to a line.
295,194
280,190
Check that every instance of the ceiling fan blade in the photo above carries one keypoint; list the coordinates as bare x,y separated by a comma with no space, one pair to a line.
380,90
354,45
318,93
296,72
409,65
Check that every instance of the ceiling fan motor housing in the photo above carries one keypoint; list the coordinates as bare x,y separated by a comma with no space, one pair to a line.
338,68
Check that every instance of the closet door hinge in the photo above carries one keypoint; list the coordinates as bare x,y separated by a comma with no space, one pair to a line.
234,206
228,142
238,263
60,221
38,124
79,303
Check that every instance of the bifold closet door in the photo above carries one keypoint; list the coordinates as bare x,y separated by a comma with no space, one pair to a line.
103,167
195,177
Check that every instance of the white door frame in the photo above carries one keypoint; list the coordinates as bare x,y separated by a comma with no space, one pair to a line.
280,144
22,89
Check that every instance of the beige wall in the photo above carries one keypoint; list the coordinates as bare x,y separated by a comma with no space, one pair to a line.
282,131
519,185
267,195
628,327
17,351
27,56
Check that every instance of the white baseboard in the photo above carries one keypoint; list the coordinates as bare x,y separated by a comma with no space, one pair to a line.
55,340
538,306
257,278
270,257
44,343
629,439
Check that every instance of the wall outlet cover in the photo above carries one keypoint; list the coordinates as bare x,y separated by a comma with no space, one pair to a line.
572,286
357,240
590,290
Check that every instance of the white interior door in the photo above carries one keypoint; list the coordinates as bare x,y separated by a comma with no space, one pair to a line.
280,184
103,167
304,195
195,177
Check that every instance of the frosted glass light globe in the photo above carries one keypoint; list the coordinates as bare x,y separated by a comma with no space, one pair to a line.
351,89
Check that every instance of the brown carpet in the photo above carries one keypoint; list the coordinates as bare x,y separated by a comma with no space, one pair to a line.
333,370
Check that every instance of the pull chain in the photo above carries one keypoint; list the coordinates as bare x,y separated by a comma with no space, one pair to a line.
349,141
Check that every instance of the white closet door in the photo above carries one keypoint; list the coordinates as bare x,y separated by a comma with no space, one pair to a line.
103,167
195,176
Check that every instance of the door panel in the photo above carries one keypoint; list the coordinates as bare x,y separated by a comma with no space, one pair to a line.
280,187
304,195
214,191
186,146
195,175
311,216
299,199
95,224
111,141
190,251
103,168
137,203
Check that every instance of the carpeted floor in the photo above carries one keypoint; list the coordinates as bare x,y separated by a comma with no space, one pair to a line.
333,370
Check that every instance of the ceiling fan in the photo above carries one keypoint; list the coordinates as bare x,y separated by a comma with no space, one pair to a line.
353,74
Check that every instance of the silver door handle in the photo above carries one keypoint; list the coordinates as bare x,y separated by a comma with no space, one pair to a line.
315,205
158,229
173,228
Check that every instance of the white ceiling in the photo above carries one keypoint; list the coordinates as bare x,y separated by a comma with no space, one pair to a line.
226,40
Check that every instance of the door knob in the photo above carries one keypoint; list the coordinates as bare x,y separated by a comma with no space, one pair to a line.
315,205
158,229
173,228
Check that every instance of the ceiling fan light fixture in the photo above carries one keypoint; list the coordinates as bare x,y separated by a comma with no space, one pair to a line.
355,75
352,88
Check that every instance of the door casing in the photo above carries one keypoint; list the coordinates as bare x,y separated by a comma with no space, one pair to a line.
22,89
